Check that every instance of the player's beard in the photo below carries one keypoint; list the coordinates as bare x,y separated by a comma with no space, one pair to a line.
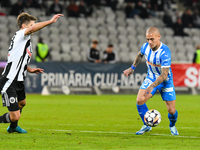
155,48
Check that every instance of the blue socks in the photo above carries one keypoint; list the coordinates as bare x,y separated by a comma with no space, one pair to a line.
142,109
173,118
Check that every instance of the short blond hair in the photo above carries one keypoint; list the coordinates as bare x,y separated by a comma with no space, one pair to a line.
24,18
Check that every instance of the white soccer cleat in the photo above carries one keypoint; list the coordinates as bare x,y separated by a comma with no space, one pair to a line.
174,130
144,129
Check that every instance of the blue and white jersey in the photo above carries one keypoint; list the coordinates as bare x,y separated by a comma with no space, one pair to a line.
155,60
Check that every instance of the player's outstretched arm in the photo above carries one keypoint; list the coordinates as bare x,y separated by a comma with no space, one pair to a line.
130,70
40,25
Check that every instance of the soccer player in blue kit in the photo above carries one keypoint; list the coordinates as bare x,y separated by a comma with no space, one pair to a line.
159,77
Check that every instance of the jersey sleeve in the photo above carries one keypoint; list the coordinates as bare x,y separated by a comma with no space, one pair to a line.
89,55
166,58
23,33
143,48
25,36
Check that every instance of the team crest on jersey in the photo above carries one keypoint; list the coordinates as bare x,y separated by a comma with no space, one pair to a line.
157,61
12,100
29,52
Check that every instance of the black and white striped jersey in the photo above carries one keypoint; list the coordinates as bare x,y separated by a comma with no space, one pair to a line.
19,55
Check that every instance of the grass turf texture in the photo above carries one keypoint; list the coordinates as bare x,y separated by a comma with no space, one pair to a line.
100,122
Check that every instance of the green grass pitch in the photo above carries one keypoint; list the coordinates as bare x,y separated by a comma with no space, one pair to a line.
87,122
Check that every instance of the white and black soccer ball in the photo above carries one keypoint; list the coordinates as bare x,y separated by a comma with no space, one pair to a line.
152,118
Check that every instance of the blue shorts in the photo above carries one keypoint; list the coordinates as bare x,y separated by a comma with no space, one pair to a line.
166,88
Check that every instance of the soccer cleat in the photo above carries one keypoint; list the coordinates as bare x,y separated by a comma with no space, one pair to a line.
144,129
174,130
17,129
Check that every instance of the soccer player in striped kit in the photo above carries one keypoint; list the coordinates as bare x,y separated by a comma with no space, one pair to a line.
159,77
13,76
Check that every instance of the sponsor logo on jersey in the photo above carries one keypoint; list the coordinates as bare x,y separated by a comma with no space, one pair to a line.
28,51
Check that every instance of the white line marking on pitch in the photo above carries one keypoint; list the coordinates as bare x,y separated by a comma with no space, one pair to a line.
192,137
111,132
120,125
127,126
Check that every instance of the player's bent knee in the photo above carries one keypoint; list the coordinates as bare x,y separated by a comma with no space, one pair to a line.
15,116
171,111
141,100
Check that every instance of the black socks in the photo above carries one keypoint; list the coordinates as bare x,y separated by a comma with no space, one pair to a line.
5,118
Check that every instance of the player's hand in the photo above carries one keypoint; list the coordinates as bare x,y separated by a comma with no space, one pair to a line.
55,17
148,90
36,70
128,72
98,61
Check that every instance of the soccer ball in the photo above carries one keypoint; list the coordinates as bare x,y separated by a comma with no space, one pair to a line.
152,118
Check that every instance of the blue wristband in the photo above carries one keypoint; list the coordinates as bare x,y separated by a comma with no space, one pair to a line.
133,67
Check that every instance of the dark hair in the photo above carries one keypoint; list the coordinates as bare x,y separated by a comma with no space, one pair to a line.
110,45
95,42
24,18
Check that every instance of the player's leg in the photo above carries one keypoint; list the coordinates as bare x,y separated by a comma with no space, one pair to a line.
10,100
172,115
10,117
21,99
21,103
142,109
169,96
14,124
15,116
141,104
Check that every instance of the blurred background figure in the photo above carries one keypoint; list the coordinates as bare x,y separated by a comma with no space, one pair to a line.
109,56
42,51
187,18
196,18
196,58
17,8
129,10
141,11
112,4
167,19
56,8
84,10
150,11
178,28
39,4
157,5
72,10
93,54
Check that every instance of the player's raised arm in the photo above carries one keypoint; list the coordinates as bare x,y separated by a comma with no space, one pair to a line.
130,70
37,26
